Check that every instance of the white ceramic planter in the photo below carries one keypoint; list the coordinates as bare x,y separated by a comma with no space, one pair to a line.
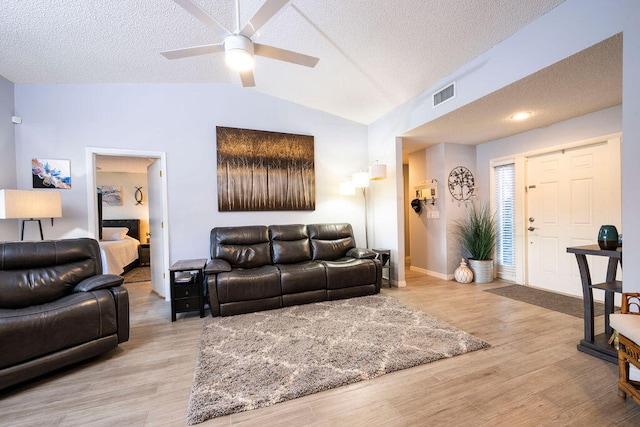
482,270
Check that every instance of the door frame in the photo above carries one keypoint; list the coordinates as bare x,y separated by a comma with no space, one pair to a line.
522,273
92,197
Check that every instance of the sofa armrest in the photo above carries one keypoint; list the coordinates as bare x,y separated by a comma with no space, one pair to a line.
212,294
121,297
101,281
217,265
361,253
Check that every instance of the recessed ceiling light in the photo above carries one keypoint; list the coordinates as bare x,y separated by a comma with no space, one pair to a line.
521,116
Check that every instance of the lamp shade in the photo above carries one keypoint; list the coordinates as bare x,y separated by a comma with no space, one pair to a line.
16,204
377,171
360,179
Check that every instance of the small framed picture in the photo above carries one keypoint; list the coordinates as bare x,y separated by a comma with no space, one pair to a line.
50,173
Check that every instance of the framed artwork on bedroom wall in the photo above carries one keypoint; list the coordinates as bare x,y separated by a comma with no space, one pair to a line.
51,173
111,195
264,171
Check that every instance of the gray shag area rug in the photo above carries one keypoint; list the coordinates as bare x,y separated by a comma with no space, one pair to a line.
255,360
549,300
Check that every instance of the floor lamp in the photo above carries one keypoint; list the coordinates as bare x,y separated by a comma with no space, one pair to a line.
29,205
361,180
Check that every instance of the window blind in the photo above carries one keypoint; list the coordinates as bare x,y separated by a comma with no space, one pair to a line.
505,193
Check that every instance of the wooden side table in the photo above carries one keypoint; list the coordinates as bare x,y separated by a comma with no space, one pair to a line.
187,286
598,345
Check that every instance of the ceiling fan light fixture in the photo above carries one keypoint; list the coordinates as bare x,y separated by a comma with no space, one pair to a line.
239,53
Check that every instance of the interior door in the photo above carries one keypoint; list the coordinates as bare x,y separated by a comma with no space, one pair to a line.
157,238
570,194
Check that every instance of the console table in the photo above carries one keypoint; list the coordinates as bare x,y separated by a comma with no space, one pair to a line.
598,345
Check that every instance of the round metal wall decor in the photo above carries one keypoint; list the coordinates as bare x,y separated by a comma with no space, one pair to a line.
461,183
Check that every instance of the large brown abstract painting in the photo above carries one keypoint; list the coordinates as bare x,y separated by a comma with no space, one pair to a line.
264,171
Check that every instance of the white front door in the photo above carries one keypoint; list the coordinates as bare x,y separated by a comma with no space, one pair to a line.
570,194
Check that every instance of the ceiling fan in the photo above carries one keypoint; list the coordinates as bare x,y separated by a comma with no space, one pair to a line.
238,46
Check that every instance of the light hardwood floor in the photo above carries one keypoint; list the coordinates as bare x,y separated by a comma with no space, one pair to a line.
532,375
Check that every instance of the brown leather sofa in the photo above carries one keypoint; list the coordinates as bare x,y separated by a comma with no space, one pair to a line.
256,268
56,307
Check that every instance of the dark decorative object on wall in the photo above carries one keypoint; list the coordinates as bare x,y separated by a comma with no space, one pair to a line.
415,205
264,171
461,183
49,173
138,195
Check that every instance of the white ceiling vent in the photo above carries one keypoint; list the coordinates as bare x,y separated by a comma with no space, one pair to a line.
444,94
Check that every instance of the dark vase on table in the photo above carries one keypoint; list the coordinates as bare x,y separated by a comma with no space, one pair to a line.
608,237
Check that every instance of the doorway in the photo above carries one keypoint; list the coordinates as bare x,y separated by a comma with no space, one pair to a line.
157,205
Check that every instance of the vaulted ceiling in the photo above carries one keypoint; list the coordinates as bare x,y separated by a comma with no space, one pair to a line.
374,55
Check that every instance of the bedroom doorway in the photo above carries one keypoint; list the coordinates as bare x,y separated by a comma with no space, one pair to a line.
156,201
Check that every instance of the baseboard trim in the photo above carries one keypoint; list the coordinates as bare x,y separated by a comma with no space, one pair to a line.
432,273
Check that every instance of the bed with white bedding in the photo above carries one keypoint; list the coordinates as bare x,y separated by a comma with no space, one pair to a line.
119,243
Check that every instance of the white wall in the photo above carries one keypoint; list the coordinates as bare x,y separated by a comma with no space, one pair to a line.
631,145
418,225
434,247
129,209
454,210
598,124
8,227
569,28
60,121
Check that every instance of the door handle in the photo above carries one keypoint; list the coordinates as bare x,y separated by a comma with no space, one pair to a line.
532,228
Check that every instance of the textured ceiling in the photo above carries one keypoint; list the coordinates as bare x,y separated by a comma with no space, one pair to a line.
374,54
122,164
583,83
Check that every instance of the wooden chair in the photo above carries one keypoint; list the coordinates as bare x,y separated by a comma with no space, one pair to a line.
627,324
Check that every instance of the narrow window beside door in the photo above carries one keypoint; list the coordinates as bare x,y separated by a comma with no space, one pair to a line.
505,214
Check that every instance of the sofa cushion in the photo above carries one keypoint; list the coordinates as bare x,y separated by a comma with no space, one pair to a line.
289,243
34,273
350,272
626,324
302,277
242,247
249,284
31,332
330,241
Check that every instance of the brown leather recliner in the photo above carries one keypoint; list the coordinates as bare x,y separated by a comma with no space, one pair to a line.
56,307
254,268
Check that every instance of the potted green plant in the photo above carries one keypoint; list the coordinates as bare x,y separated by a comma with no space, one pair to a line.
477,233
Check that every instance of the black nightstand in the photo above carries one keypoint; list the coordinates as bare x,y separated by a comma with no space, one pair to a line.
187,286
144,254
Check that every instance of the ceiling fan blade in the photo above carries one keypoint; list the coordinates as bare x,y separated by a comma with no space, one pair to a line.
284,55
193,51
203,16
268,9
247,78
